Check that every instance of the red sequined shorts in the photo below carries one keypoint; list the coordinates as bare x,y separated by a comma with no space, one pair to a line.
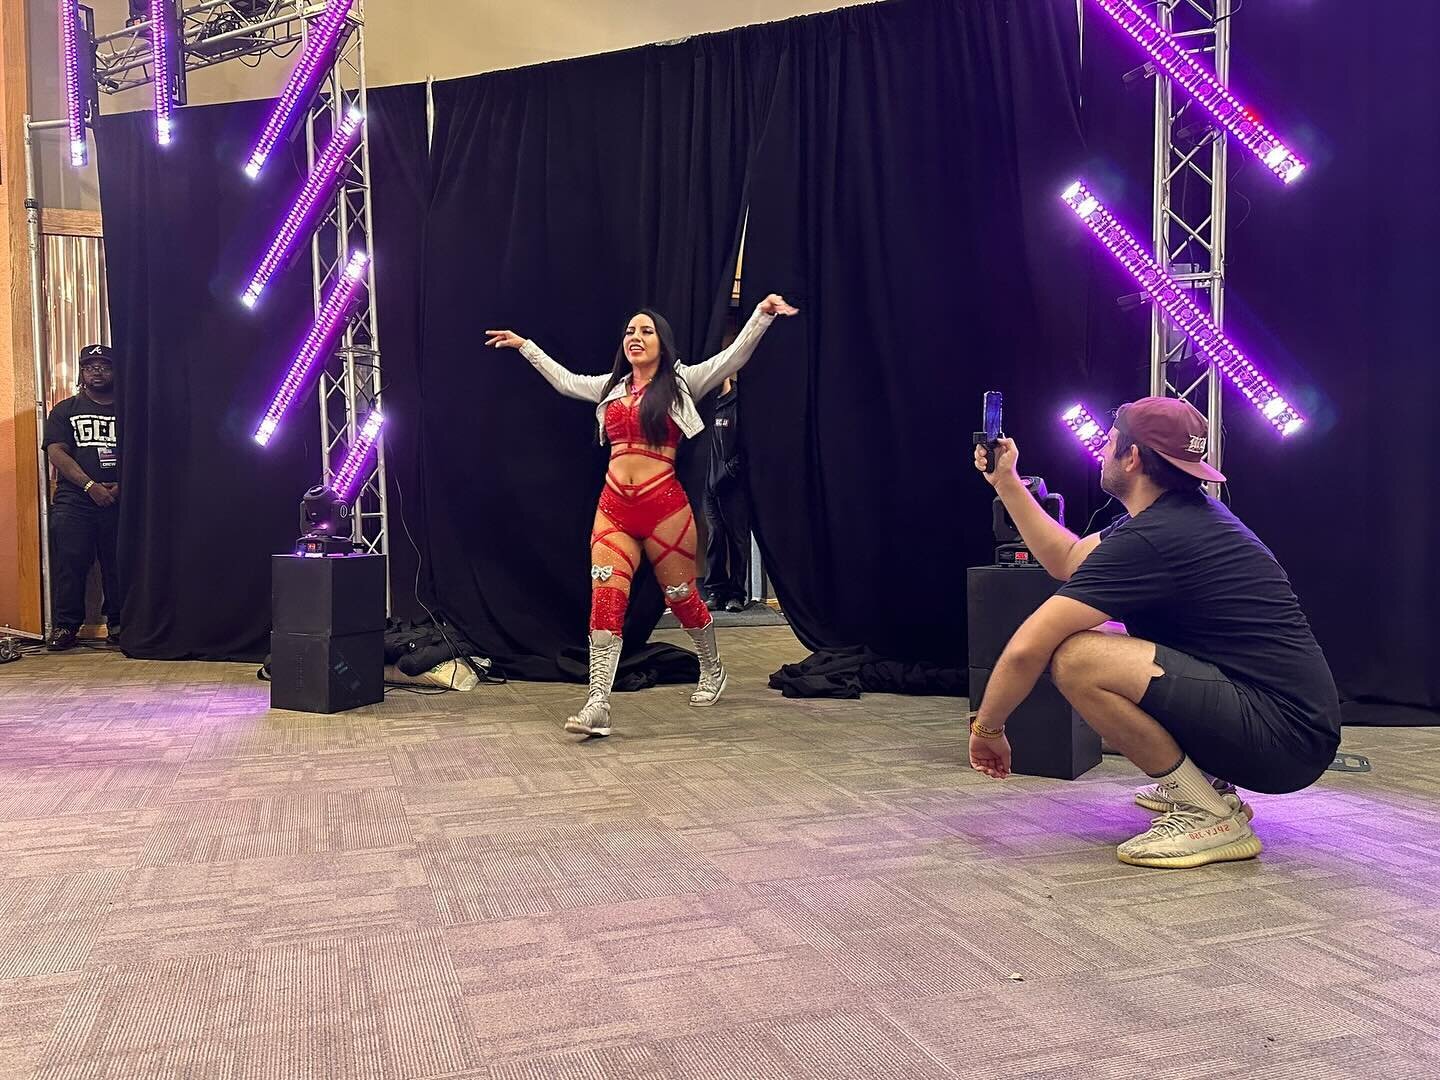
639,516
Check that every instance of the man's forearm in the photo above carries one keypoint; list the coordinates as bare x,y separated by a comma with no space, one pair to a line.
67,466
1047,539
1014,677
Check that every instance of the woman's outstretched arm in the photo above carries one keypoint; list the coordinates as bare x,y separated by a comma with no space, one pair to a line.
583,387
704,377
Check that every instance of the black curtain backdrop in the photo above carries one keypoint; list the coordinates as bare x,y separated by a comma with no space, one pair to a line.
566,197
400,187
906,195
901,164
1329,285
1333,283
202,506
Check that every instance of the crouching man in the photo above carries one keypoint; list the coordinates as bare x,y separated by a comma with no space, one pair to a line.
1220,681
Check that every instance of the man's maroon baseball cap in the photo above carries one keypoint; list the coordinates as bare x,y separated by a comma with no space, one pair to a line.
1174,429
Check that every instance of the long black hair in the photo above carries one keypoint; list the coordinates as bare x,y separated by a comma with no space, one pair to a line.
664,389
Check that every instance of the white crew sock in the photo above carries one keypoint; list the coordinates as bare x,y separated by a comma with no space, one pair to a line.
1187,784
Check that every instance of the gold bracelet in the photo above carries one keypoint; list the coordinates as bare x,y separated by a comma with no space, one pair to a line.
977,728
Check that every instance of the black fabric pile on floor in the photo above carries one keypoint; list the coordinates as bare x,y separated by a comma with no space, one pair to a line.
418,647
848,673
650,665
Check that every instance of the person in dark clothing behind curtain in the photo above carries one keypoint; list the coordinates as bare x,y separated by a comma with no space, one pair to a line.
727,510
82,445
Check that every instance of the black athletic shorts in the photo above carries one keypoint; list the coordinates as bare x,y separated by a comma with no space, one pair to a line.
1228,732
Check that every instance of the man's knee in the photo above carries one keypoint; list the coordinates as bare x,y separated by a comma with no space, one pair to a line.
1076,663
1096,661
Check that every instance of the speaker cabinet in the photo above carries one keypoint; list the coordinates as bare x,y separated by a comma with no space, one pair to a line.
1047,737
330,594
327,646
326,673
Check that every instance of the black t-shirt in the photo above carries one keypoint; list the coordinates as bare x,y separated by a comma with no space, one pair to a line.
86,429
1188,574
725,440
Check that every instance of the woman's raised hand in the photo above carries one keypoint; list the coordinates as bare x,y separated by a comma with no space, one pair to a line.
775,304
503,339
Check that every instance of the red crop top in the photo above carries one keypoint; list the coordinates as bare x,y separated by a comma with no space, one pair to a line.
622,424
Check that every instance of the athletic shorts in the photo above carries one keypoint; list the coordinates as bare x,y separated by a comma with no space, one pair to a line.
1230,734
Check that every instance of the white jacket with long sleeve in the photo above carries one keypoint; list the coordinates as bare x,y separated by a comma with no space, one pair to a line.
696,380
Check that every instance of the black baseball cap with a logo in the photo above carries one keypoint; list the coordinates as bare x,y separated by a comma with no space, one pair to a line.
97,352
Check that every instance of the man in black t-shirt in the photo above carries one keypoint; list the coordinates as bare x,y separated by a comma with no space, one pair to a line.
82,445
1218,669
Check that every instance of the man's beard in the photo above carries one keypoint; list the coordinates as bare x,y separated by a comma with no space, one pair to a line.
1113,482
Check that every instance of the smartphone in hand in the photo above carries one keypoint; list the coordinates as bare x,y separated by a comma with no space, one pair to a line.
992,419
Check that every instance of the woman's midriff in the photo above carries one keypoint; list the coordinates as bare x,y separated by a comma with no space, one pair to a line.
636,469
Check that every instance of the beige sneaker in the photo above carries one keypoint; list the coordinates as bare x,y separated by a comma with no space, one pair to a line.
1188,837
1156,797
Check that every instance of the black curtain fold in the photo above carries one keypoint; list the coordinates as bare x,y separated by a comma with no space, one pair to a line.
202,506
566,197
904,194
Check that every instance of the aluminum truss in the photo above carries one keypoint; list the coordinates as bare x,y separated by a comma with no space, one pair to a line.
350,383
217,31
1190,208
213,32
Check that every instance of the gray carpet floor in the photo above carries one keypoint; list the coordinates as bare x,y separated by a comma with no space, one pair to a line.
194,887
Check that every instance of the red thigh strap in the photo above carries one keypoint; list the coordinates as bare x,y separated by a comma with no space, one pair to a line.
677,548
601,539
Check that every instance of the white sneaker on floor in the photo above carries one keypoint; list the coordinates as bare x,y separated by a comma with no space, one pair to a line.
1188,837
1156,797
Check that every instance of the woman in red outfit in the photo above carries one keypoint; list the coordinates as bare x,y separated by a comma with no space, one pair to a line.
644,407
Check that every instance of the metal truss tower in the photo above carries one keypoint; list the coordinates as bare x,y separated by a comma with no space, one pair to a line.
218,31
1190,208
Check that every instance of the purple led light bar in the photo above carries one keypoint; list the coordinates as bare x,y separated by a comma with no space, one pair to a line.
161,42
324,35
346,483
333,313
318,185
70,65
1209,340
1087,429
1205,88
